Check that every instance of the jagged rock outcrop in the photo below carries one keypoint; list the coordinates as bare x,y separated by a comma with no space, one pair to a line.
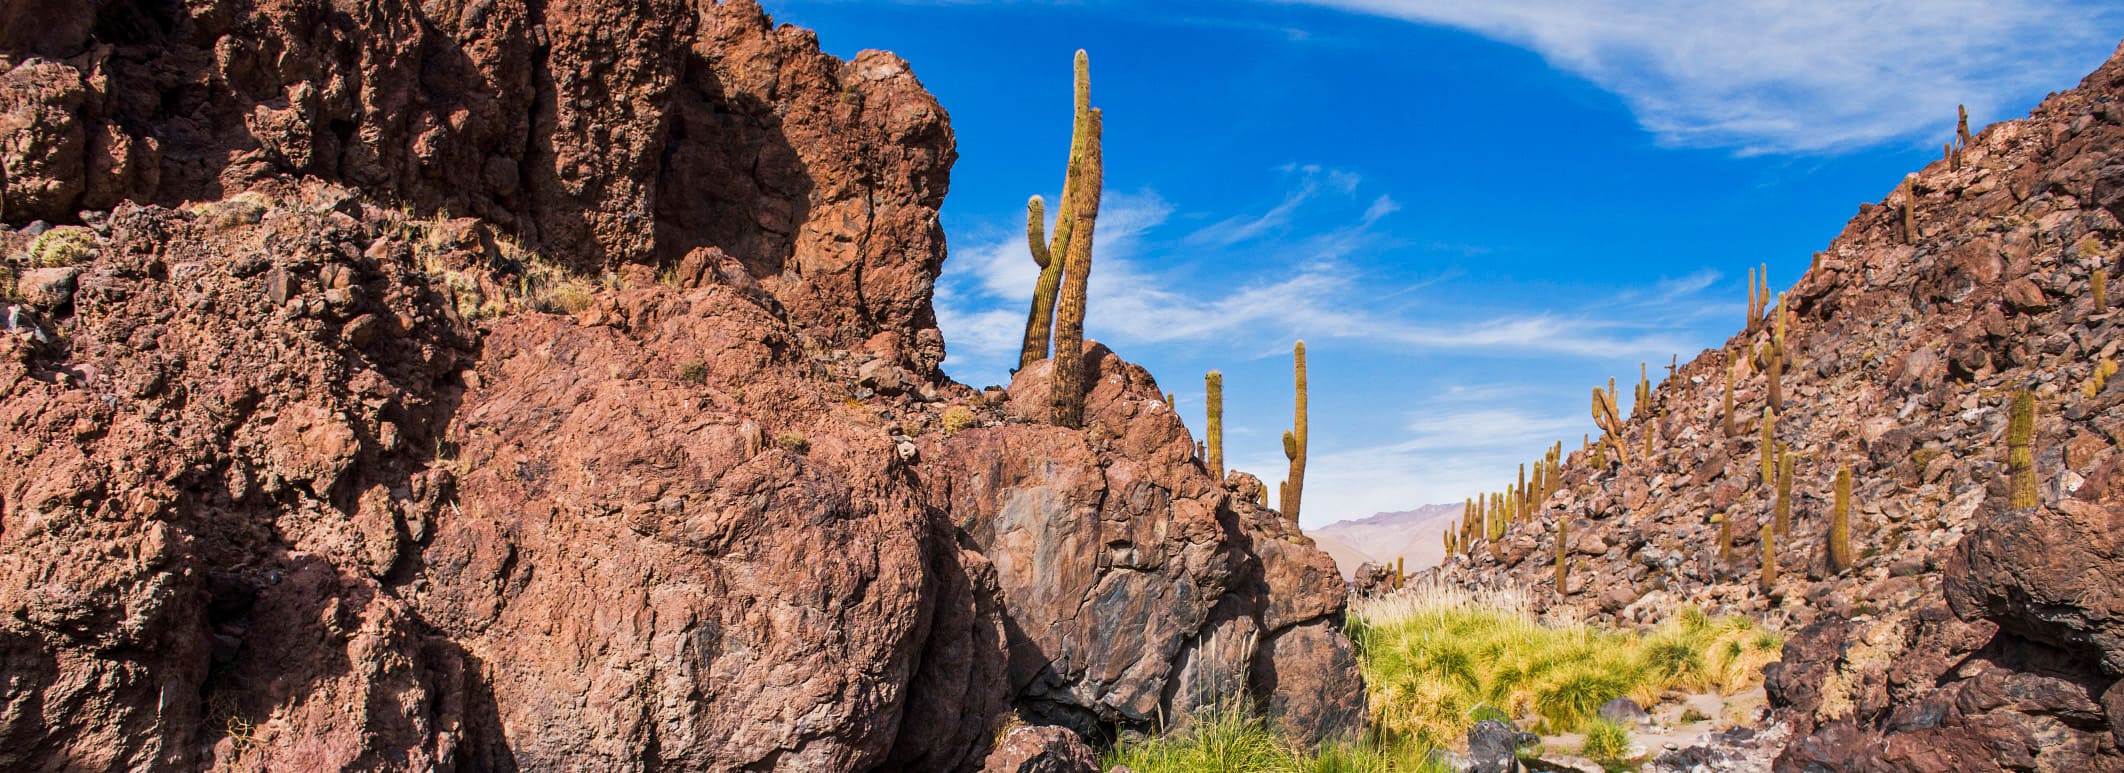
1967,635
639,464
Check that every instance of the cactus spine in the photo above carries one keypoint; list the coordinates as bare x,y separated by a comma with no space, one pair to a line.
1840,523
1213,385
1784,490
1067,390
2020,451
1052,256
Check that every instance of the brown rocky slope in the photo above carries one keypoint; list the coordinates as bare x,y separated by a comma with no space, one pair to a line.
1968,635
642,463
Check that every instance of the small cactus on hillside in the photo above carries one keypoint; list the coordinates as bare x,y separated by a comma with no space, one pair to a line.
2099,378
1768,537
2020,451
1961,126
2100,279
1910,230
1784,490
1725,536
1768,444
1840,523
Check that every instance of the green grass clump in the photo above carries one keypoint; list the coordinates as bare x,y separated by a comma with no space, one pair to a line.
1232,739
1436,659
64,245
1607,743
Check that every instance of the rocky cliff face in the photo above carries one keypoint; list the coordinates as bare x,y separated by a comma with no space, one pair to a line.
1969,635
639,462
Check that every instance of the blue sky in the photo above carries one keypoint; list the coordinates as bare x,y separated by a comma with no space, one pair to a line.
1471,210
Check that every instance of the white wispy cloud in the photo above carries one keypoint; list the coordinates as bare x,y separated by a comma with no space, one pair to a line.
1795,76
1140,299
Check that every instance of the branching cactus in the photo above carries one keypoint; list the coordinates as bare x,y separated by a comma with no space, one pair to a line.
2020,451
1051,255
1610,422
1213,386
1840,523
1295,447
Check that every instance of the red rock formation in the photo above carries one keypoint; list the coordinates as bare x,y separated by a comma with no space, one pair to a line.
1967,636
305,473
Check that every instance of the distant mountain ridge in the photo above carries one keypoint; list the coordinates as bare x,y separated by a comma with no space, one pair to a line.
1412,535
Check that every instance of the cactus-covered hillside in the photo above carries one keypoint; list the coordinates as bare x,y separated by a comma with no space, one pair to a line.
1908,460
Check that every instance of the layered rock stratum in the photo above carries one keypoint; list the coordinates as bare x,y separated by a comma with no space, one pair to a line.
494,385
1969,634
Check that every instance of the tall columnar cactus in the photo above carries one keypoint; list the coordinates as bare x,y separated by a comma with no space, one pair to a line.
1784,490
1295,447
1768,538
2020,451
1840,523
1067,391
2101,290
1526,503
1052,255
1755,302
1769,446
1953,159
1401,571
1641,400
1213,386
1725,536
1961,125
1563,555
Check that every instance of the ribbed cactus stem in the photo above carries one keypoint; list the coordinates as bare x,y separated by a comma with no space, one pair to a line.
1768,538
1297,455
1526,505
1401,571
1563,555
1283,493
1039,324
1840,523
2101,290
1784,490
1754,307
1213,386
1769,447
2020,451
1067,390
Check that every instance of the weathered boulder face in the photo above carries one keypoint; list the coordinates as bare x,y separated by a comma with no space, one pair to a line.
597,131
1965,636
304,474
1141,587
